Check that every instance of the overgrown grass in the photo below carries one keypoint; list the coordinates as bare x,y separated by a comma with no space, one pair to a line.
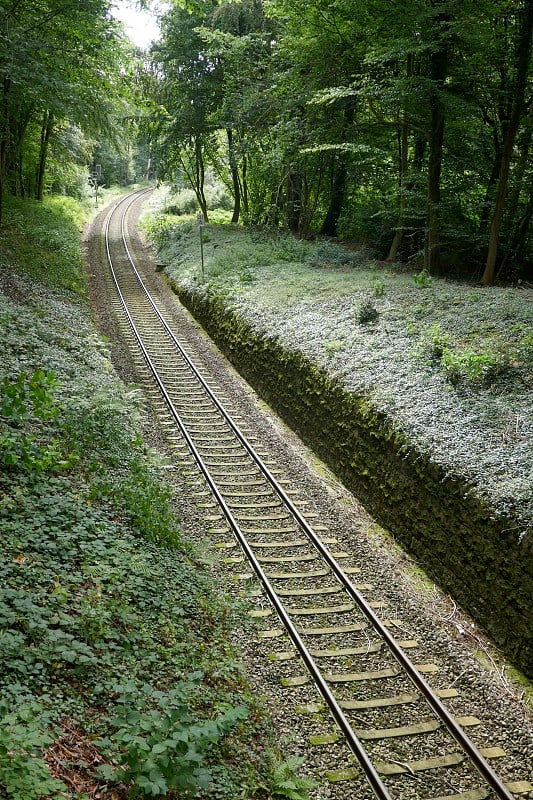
451,364
116,669
42,240
37,245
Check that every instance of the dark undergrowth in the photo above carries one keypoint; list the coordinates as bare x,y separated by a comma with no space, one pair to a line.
116,675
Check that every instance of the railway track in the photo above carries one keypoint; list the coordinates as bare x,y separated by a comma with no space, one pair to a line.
390,717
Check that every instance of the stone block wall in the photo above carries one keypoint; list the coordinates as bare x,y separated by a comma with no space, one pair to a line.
470,551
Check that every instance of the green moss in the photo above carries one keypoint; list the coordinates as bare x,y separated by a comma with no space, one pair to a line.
518,677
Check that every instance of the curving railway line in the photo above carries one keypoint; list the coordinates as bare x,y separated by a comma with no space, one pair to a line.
387,714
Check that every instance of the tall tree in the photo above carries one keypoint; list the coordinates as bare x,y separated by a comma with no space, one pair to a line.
189,92
46,132
59,59
519,108
438,57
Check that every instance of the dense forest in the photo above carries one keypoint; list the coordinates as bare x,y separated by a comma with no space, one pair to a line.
404,126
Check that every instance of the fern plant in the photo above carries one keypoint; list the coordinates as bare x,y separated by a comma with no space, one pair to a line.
287,784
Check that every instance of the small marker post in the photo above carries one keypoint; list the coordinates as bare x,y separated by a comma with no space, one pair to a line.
95,180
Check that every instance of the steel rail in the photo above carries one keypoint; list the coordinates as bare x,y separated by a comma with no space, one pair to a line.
371,773
479,762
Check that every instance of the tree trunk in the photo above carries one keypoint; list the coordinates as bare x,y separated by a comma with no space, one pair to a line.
14,167
523,59
340,179
294,201
404,165
200,177
438,67
503,119
338,193
234,178
245,199
519,211
46,132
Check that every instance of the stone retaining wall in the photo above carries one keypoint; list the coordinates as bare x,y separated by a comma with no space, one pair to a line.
462,544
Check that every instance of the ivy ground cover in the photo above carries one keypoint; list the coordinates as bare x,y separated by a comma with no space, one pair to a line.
116,674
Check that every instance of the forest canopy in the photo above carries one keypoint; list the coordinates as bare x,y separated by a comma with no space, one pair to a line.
404,126
63,66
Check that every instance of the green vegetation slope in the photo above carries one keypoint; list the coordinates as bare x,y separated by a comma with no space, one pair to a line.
115,664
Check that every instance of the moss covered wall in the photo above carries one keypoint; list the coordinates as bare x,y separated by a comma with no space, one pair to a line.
473,554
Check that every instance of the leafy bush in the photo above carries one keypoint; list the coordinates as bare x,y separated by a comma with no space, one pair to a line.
161,744
366,312
470,367
287,784
474,368
220,216
423,279
23,773
332,346
378,288
24,397
287,248
138,495
434,342
217,197
161,229
184,202
26,400
332,254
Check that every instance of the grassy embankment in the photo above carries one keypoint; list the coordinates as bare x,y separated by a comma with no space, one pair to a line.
115,667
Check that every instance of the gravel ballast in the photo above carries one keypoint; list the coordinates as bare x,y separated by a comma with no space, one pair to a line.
447,636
